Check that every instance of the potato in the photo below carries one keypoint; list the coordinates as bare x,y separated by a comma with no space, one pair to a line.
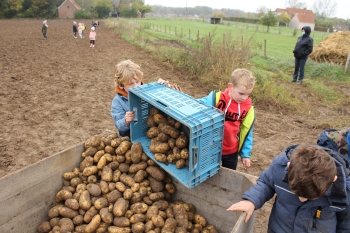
209,229
94,190
159,147
171,121
92,179
116,175
184,153
157,221
172,143
151,211
66,225
127,180
88,171
44,227
114,229
89,152
78,220
156,172
110,150
113,164
63,195
102,228
72,204
69,175
98,155
120,207
139,208
123,147
150,122
69,188
156,186
101,203
128,156
156,196
108,157
107,174
121,222
93,141
53,212
124,167
170,188
90,214
161,204
162,137
149,226
67,212
75,181
87,162
93,225
160,157
140,176
169,130
137,167
137,218
106,216
138,227
152,132
81,228
171,158
199,219
182,141
180,230
116,142
120,186
170,223
113,196
177,153
136,152
84,200
180,163
169,212
180,215
177,125
128,194
104,186
55,221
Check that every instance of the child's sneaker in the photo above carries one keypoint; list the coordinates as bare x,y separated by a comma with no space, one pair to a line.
93,46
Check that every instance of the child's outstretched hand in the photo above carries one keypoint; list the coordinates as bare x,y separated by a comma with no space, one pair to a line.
245,206
129,117
174,86
246,162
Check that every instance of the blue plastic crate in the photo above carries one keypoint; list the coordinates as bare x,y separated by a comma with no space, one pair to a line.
202,124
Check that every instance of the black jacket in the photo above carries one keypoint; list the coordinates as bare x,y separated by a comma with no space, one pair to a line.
304,44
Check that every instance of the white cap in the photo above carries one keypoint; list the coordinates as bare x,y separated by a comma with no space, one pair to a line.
93,28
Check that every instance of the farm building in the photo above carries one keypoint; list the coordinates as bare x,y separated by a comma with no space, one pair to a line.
67,9
299,17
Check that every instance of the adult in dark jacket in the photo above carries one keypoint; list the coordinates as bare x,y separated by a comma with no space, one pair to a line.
44,29
312,188
301,51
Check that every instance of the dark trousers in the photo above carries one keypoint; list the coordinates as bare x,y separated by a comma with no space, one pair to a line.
92,41
44,34
230,161
299,68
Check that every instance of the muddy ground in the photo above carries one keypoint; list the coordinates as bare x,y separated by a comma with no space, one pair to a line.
57,93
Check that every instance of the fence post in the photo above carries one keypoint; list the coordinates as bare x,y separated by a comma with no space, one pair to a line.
198,35
189,34
347,63
265,49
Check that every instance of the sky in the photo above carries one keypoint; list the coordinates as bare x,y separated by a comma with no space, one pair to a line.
343,6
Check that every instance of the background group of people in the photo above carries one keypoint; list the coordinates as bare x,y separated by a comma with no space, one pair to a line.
77,29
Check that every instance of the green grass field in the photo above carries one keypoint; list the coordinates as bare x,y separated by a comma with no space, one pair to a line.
212,51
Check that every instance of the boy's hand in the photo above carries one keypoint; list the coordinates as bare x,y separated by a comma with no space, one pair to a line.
246,162
129,117
174,86
245,206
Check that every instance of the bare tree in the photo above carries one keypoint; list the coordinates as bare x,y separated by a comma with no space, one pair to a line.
262,10
324,8
295,4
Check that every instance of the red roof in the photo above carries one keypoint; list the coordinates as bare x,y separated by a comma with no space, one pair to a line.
73,2
304,16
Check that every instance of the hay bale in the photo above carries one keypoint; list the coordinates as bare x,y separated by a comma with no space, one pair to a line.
333,49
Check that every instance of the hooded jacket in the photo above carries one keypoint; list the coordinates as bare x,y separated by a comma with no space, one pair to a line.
238,128
120,105
304,45
288,214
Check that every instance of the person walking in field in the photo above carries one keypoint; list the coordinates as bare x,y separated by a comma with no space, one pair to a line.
83,29
92,37
301,51
44,29
80,30
75,29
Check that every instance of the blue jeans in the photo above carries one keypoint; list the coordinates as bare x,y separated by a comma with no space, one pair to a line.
230,161
299,66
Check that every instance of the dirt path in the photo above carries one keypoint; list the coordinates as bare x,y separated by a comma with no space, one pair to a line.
57,93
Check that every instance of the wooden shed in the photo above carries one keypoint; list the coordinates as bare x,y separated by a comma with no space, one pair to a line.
67,9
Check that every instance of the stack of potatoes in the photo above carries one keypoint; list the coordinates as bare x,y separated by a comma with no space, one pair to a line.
118,189
168,144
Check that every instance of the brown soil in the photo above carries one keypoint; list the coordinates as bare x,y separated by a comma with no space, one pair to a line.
57,93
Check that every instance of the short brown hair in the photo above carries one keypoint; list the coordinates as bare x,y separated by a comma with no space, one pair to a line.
243,77
125,71
311,171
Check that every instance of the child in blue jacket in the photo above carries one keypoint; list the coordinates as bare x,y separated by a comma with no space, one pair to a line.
312,188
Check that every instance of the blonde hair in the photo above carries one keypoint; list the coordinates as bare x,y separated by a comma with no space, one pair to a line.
243,77
125,72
